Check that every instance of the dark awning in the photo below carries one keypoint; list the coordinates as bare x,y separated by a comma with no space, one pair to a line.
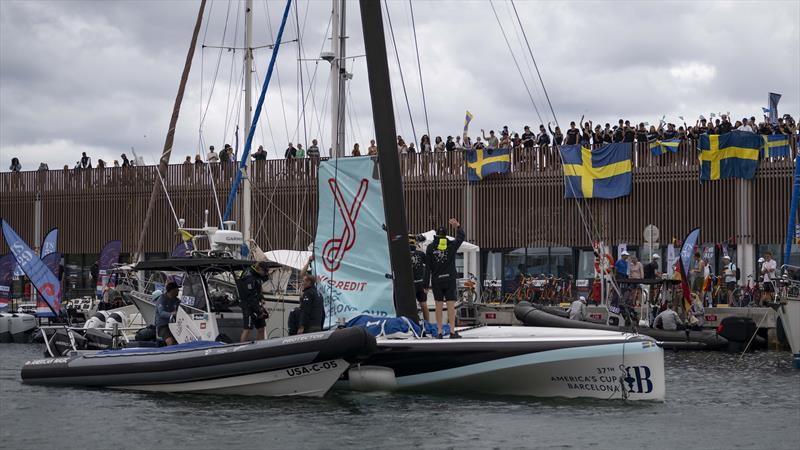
198,264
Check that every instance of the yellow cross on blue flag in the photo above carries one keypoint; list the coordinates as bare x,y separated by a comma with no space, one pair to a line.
776,145
484,162
729,155
660,147
604,172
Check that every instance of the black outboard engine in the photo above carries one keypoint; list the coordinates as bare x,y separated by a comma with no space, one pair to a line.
97,340
60,343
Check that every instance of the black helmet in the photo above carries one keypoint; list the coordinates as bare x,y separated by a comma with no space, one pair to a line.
442,231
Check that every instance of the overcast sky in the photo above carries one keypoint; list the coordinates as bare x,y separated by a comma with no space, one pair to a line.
101,76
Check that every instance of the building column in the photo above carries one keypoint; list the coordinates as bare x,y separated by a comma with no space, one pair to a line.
745,246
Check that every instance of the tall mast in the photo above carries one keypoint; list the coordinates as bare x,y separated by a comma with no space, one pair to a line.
380,91
248,113
338,69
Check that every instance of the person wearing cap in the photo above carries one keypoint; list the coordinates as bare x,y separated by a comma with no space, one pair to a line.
441,258
621,265
422,277
254,316
577,311
166,308
729,277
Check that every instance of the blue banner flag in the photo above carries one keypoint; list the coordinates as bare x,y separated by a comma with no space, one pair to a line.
7,264
351,246
604,172
658,148
775,146
49,242
108,257
729,155
484,162
41,277
773,107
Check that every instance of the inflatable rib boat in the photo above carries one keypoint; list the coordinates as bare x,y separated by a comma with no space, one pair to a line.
303,365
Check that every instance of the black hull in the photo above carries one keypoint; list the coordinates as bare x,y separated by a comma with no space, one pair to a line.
197,361
678,340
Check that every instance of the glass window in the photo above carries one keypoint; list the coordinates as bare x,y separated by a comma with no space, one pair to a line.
561,261
460,265
537,261
513,263
585,264
492,265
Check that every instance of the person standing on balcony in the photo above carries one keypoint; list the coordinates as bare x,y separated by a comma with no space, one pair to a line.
212,156
16,166
372,150
558,138
573,134
313,151
260,154
290,152
491,142
450,145
528,139
86,162
125,161
586,135
356,150
628,133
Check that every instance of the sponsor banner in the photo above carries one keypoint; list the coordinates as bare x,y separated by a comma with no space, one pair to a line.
351,246
108,257
40,275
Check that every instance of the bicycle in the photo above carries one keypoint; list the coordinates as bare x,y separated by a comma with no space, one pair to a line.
468,294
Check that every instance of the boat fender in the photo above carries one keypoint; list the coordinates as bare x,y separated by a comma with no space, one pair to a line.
372,378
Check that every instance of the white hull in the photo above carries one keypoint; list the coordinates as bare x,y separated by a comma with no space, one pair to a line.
618,370
790,318
312,380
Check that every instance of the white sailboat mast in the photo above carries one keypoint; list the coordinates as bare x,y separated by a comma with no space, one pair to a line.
338,69
248,114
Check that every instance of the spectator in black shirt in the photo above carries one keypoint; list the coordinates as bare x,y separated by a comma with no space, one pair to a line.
652,135
608,134
618,135
125,161
528,138
586,136
558,138
450,145
628,133
290,152
573,134
260,154
543,139
86,162
670,133
641,133
724,125
598,135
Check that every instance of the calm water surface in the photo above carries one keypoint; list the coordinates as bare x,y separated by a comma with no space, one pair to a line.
713,402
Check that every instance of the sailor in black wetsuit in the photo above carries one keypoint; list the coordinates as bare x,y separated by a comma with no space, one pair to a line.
253,313
422,278
441,254
312,308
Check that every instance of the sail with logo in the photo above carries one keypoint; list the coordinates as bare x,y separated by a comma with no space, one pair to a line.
351,250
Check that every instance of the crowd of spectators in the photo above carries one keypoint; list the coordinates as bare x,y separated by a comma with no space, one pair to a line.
587,134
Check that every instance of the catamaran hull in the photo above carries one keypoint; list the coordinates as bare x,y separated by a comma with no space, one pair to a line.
312,380
588,366
305,365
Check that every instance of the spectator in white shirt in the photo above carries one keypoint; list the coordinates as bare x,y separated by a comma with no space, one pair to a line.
768,268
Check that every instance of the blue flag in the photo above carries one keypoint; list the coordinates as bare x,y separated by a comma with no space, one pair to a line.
484,162
658,148
351,246
108,257
604,172
775,146
183,250
49,242
729,155
773,107
40,275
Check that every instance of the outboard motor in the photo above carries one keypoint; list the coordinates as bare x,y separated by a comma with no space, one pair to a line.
98,320
98,340
61,344
115,318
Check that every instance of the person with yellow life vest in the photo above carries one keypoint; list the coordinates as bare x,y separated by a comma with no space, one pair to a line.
441,260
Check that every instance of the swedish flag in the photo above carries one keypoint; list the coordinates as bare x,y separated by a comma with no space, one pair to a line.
729,155
601,173
484,162
660,147
776,146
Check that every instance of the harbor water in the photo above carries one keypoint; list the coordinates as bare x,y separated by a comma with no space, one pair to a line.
714,400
